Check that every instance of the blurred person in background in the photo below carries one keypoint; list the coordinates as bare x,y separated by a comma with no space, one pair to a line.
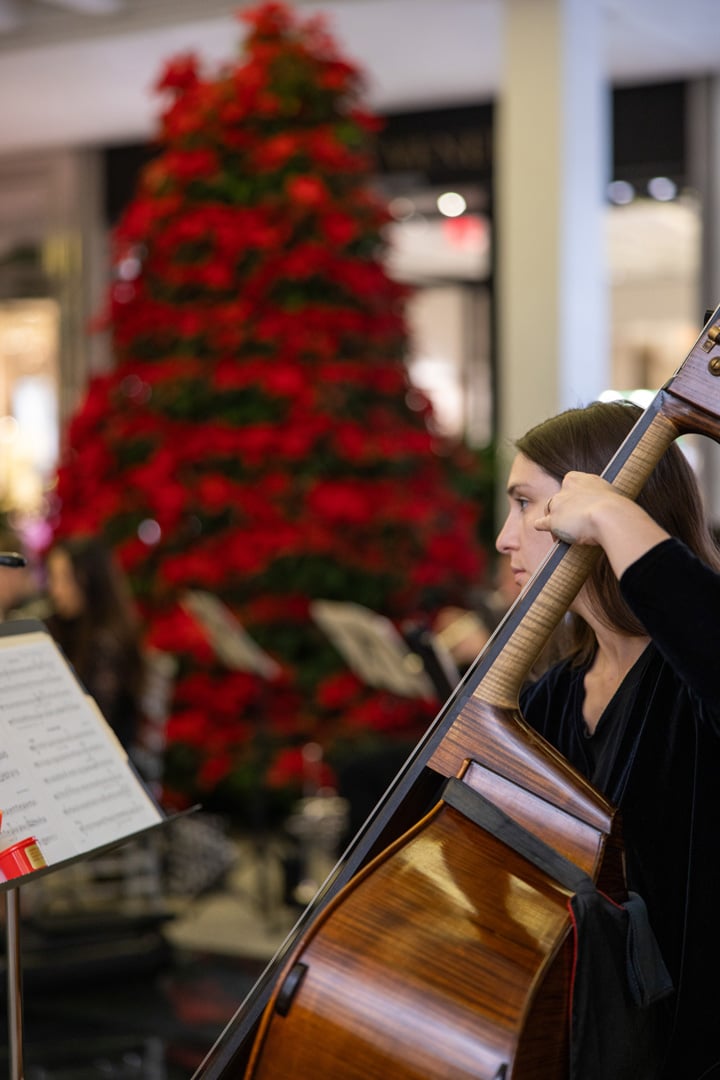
20,595
94,622
464,631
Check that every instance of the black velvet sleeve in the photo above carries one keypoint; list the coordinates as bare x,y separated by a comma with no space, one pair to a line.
677,599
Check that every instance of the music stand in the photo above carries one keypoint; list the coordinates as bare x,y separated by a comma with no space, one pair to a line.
237,650
373,649
67,787
226,635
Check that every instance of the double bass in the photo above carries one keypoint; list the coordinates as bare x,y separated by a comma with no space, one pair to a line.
442,944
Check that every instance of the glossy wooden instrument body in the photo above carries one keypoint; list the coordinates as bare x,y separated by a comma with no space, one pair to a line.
449,955
434,950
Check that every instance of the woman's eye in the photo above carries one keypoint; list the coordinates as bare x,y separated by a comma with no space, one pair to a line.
522,504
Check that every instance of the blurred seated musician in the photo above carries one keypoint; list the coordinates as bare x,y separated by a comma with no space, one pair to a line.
20,597
464,631
94,622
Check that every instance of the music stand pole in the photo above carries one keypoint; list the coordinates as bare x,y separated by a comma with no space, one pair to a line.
14,984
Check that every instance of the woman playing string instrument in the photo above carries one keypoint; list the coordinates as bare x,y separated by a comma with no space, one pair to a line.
634,704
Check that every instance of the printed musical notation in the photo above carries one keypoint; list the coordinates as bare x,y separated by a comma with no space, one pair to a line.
64,778
373,648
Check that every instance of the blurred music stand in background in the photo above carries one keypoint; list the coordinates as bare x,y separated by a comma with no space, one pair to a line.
226,635
373,648
380,656
237,650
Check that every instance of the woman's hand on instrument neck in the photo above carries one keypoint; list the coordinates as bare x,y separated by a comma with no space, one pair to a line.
588,510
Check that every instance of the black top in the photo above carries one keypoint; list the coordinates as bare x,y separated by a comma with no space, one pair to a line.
656,755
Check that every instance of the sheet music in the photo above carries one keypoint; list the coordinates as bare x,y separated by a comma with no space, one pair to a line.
64,778
373,648
227,636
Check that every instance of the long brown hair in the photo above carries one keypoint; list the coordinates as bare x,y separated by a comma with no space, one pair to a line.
585,439
108,603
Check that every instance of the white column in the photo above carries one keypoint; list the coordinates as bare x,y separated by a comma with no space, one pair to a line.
704,162
552,155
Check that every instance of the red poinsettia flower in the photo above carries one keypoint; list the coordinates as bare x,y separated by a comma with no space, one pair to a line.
180,74
307,191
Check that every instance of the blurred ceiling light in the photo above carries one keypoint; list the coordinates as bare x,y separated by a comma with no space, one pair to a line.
621,192
642,398
401,208
451,204
129,268
149,532
662,188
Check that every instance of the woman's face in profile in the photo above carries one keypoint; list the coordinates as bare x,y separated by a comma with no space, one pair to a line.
65,592
529,488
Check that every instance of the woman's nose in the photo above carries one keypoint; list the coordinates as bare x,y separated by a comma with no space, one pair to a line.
502,543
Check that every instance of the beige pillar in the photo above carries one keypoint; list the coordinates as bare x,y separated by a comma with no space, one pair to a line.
552,152
704,161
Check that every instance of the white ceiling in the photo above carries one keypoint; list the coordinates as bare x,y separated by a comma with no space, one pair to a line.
68,78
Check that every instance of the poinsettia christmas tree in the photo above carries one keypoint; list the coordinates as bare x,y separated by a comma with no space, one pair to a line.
257,437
